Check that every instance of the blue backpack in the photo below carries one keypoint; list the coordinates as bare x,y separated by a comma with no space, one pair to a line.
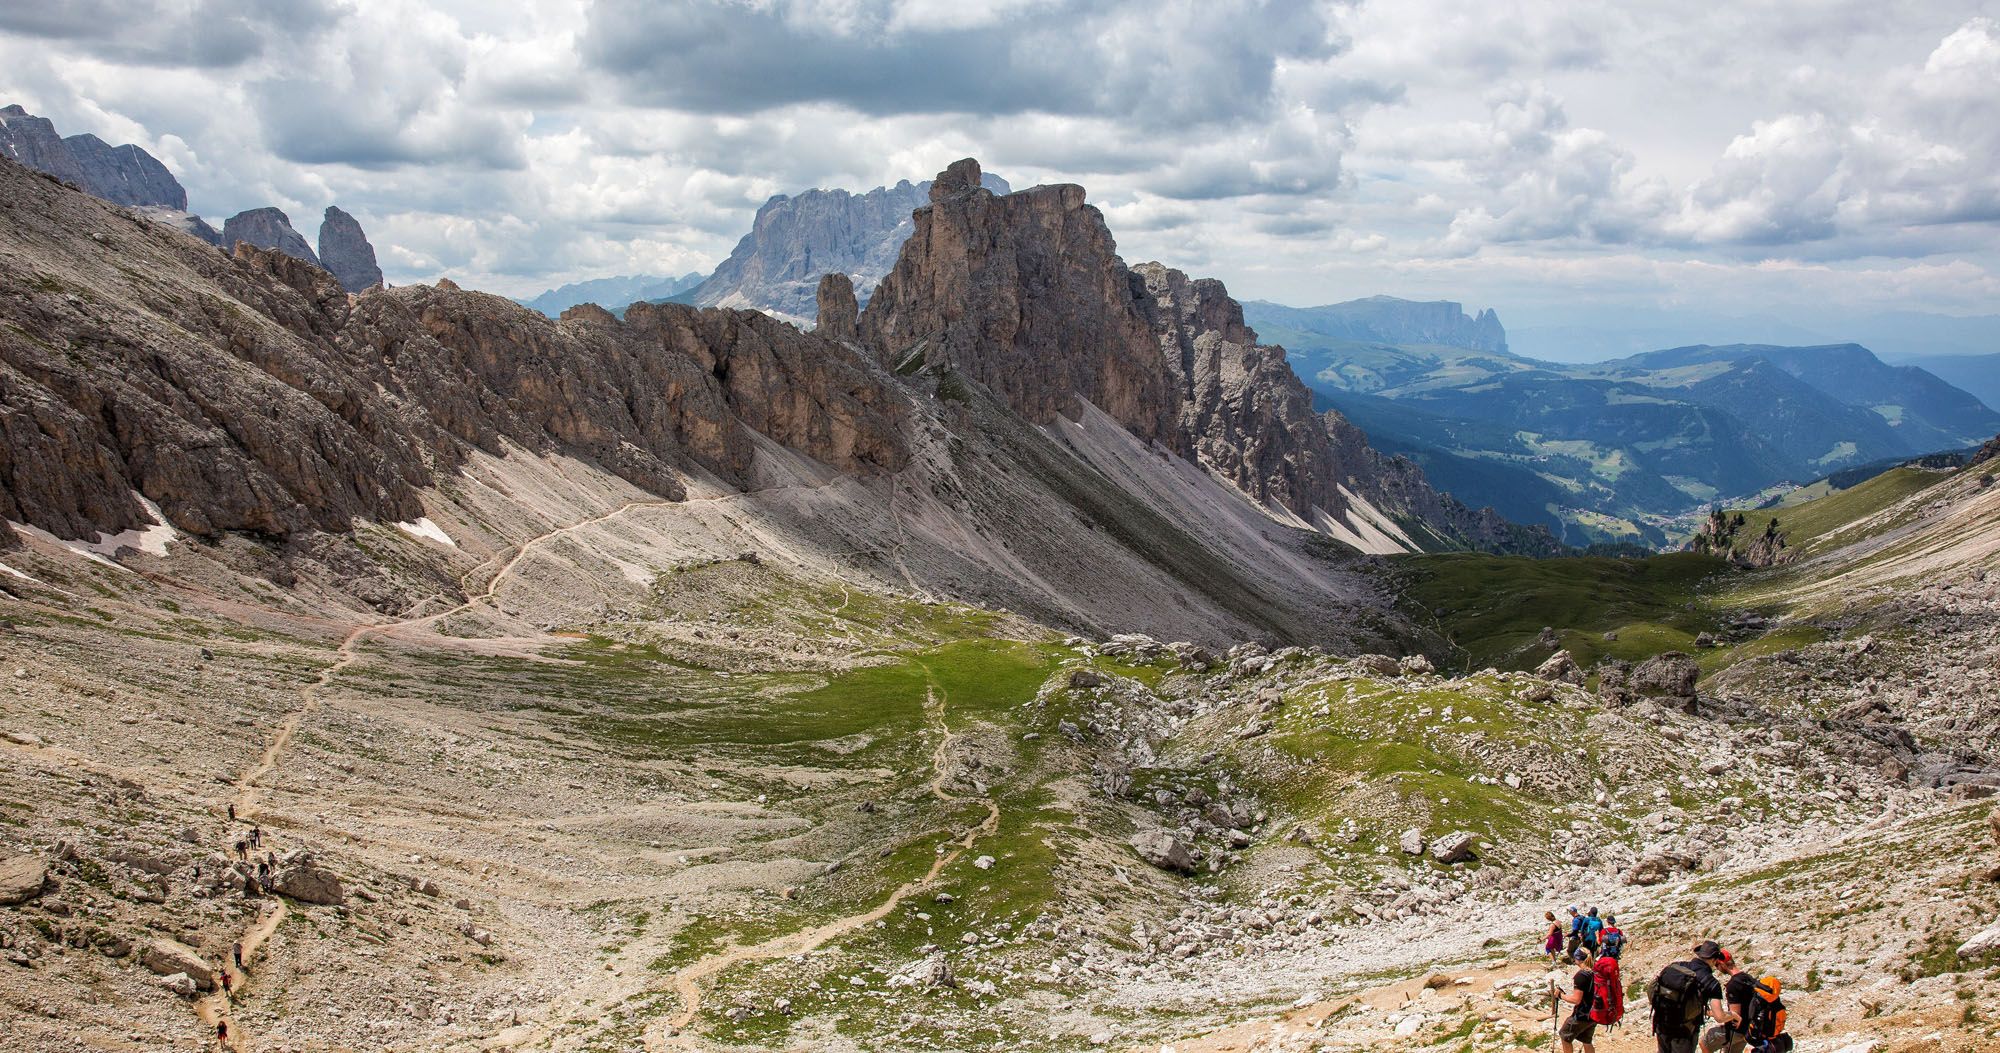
1611,943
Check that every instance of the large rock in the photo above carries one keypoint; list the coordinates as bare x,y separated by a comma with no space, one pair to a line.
838,312
167,957
1658,866
1454,847
122,175
1986,941
1560,667
303,880
1164,850
344,251
1412,842
1669,675
22,878
266,228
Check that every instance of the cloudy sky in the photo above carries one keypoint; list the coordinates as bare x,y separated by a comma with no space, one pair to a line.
1548,158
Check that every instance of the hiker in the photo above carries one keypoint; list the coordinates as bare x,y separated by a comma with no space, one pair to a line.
1592,925
1738,989
225,984
1552,941
236,952
1767,1019
1575,933
256,836
222,1033
232,812
1682,994
242,850
1580,1029
1611,942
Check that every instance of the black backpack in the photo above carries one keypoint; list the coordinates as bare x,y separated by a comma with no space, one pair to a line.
1675,997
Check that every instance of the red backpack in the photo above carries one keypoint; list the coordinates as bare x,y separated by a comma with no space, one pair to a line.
1607,1004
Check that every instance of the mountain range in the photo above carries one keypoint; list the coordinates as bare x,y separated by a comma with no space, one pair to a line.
612,294
128,175
1620,450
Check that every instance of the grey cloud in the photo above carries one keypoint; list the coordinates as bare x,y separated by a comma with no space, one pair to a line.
204,34
1150,63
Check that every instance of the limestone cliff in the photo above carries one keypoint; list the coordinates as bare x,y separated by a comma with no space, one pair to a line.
122,175
247,393
344,251
267,228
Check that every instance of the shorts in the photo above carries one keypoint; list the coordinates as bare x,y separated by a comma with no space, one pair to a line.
1722,1040
1579,1029
1676,1043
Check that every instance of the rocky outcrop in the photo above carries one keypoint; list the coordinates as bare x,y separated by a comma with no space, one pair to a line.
302,879
185,222
122,175
246,393
267,228
777,266
1164,850
838,313
1025,294
344,251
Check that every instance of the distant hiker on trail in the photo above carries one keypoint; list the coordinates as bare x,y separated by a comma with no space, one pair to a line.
1611,942
1682,994
1579,1029
225,983
242,849
1575,932
222,1033
257,837
232,812
236,952
1552,941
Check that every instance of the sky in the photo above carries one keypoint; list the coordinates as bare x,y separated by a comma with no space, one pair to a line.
1557,161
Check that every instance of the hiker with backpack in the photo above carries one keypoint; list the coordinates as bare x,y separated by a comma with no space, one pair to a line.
1592,926
1598,997
1611,941
1738,989
1683,994
1575,933
1767,1019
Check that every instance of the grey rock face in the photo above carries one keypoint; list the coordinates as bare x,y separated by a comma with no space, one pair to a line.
1390,320
1454,847
1671,675
794,240
292,414
303,880
186,222
266,228
838,312
344,251
122,175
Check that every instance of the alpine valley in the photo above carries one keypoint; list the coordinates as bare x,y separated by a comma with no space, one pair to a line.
930,632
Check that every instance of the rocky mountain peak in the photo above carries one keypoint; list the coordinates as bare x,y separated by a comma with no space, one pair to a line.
959,176
123,175
267,228
344,250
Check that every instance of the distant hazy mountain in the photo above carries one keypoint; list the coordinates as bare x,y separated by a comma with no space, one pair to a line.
1977,375
795,240
122,175
612,294
1384,319
1613,450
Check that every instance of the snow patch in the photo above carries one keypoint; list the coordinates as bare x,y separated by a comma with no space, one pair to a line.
151,540
5,569
424,528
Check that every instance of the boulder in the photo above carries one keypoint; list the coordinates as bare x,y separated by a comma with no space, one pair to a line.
1378,665
22,878
181,984
1164,850
1412,842
1671,675
1658,866
1417,665
167,957
1454,847
1986,941
1561,667
307,882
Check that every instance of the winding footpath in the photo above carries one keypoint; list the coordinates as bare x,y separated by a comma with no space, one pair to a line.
687,982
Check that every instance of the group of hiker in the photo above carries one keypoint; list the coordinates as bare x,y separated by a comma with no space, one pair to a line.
1743,1013
243,847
